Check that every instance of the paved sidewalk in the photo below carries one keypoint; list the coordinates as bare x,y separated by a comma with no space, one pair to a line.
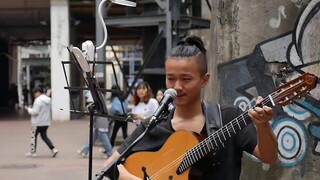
67,136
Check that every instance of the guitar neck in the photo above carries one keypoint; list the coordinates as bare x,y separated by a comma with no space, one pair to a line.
218,138
227,131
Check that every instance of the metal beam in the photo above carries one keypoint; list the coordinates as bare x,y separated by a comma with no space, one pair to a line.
153,20
135,21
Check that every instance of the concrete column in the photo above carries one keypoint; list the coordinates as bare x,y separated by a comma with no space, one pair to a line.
59,16
238,26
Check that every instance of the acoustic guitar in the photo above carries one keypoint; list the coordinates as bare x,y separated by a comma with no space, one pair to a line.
183,149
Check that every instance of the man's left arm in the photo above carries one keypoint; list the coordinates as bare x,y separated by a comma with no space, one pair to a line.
267,146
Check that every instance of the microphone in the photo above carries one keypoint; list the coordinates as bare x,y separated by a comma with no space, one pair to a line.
169,96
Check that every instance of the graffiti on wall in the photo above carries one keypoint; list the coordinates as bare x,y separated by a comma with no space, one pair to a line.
273,62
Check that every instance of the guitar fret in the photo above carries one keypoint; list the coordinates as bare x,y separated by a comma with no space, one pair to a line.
228,131
244,120
185,166
215,141
191,153
219,138
182,167
200,153
188,162
204,148
196,157
271,100
212,147
207,145
204,151
188,159
192,159
234,131
238,124
223,135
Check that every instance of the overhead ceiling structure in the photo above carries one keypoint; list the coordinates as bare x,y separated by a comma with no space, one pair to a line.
24,20
29,20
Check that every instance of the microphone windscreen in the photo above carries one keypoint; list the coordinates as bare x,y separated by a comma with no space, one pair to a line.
171,92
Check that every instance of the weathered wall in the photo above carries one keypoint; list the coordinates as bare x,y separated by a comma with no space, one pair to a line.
255,46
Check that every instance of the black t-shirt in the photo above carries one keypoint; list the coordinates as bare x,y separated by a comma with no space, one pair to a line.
227,163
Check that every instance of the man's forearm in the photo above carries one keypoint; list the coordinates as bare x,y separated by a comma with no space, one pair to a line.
267,144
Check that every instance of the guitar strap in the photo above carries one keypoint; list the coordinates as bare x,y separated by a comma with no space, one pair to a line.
213,117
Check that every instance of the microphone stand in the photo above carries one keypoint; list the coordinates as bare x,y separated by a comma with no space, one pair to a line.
112,169
92,109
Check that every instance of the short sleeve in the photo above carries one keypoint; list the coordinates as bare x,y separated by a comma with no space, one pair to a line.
152,107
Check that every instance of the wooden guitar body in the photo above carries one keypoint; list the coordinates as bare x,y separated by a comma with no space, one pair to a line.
164,163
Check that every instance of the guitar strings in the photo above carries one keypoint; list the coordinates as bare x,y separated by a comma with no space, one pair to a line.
201,144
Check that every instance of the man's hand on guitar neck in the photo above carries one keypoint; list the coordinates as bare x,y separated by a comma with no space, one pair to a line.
260,116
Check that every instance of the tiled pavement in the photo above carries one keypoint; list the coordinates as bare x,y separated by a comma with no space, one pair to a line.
67,136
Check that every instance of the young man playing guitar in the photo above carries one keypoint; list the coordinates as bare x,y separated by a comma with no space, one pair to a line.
186,72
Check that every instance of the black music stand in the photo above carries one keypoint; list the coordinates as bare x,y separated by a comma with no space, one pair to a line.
98,99
98,107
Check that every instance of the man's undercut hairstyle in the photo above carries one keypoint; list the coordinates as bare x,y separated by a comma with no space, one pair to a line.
191,46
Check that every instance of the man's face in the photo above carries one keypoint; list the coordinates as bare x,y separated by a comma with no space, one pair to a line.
142,92
36,94
184,76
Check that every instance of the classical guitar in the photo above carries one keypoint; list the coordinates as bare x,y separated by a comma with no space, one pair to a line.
183,149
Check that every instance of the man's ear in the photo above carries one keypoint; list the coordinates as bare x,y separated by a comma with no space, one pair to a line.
205,79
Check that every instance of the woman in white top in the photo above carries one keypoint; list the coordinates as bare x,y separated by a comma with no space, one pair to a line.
144,103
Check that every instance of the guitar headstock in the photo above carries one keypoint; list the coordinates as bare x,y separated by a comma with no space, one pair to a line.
294,89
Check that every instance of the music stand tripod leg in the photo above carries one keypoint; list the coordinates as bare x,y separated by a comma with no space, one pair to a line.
91,109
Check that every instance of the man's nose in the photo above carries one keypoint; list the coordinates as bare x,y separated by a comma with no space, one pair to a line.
177,85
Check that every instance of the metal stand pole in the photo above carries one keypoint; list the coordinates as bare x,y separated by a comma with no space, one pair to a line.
91,109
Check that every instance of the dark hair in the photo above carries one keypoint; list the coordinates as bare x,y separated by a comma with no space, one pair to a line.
37,89
162,90
136,99
114,93
191,46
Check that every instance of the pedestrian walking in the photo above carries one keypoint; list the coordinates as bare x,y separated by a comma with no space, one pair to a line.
40,121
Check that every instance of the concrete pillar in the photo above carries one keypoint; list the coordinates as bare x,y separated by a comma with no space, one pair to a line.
238,26
59,17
